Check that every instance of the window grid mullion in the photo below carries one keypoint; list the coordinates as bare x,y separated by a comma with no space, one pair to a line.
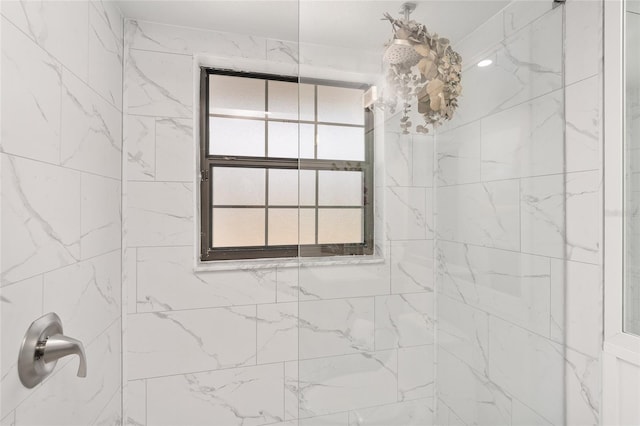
288,120
315,157
266,171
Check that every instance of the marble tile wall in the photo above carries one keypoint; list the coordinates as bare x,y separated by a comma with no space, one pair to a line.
518,235
340,344
61,157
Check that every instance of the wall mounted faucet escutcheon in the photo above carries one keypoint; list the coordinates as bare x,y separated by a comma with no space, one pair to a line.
43,345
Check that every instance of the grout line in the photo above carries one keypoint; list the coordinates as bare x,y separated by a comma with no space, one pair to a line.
310,301
506,179
78,261
60,166
366,354
546,256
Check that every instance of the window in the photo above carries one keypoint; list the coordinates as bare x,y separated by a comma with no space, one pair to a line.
287,167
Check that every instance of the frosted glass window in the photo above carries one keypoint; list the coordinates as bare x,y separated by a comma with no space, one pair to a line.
291,227
340,105
340,143
307,140
337,188
235,186
337,226
283,187
283,227
238,227
307,193
236,96
232,136
286,97
307,226
287,165
284,139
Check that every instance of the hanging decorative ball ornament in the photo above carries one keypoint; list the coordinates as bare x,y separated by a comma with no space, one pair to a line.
424,68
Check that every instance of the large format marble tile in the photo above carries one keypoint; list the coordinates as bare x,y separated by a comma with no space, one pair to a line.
136,398
238,396
471,396
159,84
543,215
105,51
85,295
40,218
60,27
291,390
526,140
129,273
411,266
584,392
287,287
521,415
195,340
65,399
9,419
277,332
484,214
584,216
91,130
341,281
464,331
160,214
416,372
584,125
576,306
525,65
21,304
545,202
410,413
186,41
140,141
166,281
507,284
411,218
31,81
111,414
348,382
583,44
398,158
422,167
336,327
100,210
174,150
283,51
404,320
519,14
529,367
458,155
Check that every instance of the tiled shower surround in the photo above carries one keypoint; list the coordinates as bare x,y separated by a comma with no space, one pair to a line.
482,305
61,192
330,344
518,224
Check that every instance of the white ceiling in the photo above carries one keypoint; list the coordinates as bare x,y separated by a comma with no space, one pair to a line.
335,23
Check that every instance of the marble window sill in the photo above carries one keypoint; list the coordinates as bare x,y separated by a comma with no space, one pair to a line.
289,262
